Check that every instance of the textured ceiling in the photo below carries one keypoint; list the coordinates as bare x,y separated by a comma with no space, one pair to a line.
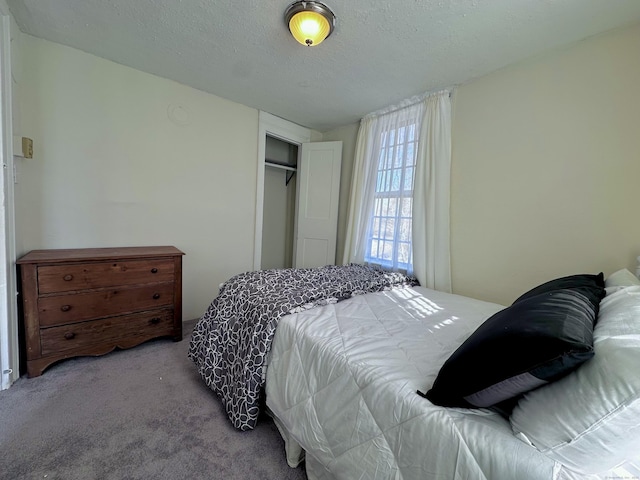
381,52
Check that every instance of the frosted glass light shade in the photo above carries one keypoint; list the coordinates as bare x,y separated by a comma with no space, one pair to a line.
309,22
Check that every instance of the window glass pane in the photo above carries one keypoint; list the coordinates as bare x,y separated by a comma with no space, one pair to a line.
393,207
400,156
397,174
404,234
381,158
383,181
412,133
411,160
379,182
374,248
384,202
387,251
390,233
397,161
408,179
401,135
377,206
389,157
383,228
406,207
389,228
403,252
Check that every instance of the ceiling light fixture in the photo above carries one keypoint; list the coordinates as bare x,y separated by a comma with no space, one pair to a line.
309,22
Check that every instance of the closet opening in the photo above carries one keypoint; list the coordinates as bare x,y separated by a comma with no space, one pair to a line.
279,205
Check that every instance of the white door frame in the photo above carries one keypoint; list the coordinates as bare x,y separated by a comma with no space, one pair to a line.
9,356
283,130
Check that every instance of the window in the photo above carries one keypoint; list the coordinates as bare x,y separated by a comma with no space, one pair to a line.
389,232
403,152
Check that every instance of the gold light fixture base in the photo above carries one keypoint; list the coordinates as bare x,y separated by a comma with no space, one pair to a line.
310,23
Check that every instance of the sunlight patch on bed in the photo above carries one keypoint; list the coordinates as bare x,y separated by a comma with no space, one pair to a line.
449,321
422,305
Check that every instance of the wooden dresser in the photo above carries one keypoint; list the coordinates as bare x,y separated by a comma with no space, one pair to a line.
90,301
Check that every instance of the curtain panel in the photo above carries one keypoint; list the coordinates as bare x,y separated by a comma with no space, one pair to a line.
430,216
431,196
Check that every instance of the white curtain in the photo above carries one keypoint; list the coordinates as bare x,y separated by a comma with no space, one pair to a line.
431,196
430,216
361,195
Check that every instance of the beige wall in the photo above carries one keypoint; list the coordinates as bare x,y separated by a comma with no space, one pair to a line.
546,169
126,158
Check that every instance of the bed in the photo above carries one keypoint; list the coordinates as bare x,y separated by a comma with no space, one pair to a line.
347,369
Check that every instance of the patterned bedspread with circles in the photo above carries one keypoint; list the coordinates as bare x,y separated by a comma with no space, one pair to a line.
230,343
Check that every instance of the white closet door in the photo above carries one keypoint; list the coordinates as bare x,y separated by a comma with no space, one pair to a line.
317,212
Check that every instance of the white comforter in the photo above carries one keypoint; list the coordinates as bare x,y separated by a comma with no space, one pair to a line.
342,382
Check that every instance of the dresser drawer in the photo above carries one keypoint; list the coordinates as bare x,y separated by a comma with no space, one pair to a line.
108,330
64,309
66,278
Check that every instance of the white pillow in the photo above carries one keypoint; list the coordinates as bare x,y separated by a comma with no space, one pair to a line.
589,421
621,278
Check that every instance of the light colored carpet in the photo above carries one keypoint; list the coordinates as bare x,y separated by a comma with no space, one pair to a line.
142,413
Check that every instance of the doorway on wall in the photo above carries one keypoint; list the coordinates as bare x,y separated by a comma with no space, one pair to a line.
307,210
279,204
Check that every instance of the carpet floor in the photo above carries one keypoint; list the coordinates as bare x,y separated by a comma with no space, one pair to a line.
142,413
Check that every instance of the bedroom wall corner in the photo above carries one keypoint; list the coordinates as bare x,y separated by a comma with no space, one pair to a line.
545,168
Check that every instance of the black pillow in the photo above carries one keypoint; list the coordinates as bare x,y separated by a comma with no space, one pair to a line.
535,341
591,285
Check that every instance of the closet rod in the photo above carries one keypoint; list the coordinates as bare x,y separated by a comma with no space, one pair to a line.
279,165
288,177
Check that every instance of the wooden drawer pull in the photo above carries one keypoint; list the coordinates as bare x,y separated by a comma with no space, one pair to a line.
69,335
68,277
65,308
156,296
154,270
155,320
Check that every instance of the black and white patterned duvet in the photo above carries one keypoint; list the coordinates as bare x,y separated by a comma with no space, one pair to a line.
230,343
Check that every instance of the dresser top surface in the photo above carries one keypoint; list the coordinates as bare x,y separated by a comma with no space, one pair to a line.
84,254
